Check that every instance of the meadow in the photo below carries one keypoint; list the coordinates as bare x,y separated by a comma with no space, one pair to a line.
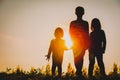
44,73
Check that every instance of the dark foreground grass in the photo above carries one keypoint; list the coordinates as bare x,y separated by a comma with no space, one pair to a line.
45,74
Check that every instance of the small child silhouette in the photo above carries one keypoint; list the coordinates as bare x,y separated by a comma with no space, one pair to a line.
57,47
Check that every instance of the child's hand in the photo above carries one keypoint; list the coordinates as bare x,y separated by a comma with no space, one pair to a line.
69,48
48,57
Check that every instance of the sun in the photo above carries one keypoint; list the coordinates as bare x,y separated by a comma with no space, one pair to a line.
68,40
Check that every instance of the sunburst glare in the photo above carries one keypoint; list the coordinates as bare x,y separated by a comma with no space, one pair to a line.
68,40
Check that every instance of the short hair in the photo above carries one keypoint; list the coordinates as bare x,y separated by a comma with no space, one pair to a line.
59,32
79,10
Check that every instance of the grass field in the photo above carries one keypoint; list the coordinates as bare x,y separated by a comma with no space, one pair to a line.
45,74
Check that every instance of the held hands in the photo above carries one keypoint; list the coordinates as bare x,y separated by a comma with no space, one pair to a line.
48,57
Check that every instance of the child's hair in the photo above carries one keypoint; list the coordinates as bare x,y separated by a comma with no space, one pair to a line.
58,32
95,24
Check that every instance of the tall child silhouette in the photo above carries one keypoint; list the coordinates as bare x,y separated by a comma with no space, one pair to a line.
57,47
79,32
97,47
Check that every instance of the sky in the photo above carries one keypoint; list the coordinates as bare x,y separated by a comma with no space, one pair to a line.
27,27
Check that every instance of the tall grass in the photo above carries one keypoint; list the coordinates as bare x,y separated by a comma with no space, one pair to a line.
45,73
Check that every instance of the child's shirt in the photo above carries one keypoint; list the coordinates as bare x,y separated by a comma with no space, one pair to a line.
97,38
79,31
57,47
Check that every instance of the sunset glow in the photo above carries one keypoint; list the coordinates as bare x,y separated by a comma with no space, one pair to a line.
27,27
68,40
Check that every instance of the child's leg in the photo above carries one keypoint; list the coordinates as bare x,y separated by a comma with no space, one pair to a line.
53,69
78,60
91,64
101,64
59,70
79,66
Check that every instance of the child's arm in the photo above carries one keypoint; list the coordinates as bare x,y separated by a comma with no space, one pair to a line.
66,47
104,42
49,52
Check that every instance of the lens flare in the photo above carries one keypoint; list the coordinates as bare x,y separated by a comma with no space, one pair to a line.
68,40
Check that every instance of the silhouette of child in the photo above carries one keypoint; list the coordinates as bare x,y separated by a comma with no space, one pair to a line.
57,47
79,32
97,47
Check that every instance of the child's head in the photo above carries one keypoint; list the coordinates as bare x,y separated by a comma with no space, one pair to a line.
79,11
95,24
58,32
